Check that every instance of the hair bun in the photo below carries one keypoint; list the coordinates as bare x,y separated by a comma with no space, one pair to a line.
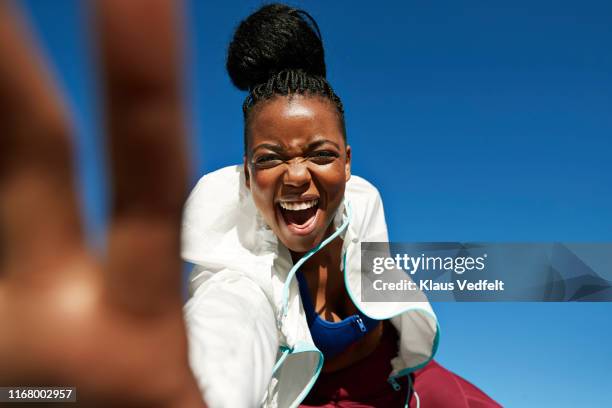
274,38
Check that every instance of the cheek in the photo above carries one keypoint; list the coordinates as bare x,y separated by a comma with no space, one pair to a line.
333,182
262,188
263,182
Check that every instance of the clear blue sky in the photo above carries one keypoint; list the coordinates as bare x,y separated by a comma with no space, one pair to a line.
477,120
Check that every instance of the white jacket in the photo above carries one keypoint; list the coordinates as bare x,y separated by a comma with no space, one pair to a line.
249,345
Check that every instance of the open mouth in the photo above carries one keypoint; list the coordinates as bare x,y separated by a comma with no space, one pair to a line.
300,216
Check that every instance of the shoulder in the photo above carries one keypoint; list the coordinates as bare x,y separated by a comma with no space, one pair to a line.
214,195
368,219
364,197
360,184
224,179
215,209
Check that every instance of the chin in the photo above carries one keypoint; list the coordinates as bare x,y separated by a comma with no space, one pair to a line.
300,245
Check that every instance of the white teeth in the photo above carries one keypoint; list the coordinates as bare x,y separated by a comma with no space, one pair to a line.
297,206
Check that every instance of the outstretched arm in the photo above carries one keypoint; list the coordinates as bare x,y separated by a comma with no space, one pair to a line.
110,326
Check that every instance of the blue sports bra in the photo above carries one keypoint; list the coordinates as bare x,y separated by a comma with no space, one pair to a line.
333,338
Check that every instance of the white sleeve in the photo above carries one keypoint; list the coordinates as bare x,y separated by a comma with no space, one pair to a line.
233,340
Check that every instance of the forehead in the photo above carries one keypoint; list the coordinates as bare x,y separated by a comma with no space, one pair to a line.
294,121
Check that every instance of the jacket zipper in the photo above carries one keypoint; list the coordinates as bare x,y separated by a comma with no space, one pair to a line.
394,383
360,323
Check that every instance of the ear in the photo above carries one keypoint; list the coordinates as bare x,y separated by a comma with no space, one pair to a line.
347,166
247,176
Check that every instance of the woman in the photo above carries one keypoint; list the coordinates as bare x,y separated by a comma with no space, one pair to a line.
293,210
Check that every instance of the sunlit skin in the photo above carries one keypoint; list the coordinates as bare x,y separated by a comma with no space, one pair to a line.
296,153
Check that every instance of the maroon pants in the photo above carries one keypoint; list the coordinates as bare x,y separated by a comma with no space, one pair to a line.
364,385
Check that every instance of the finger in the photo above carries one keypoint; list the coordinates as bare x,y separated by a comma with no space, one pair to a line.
39,217
140,46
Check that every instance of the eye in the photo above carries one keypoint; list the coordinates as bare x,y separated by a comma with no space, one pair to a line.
323,156
267,160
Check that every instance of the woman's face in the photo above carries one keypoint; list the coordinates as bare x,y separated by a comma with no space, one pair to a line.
297,166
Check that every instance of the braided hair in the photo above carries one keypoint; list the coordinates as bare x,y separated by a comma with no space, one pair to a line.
278,51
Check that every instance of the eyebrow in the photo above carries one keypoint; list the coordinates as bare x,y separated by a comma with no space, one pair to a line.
274,147
279,149
321,142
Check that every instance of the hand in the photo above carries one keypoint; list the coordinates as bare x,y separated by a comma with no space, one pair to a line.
110,325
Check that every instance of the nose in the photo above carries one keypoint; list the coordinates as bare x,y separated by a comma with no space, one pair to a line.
297,173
